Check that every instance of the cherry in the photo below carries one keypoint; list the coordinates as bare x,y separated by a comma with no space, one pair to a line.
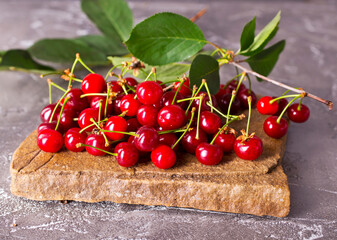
147,115
274,129
130,105
85,116
50,140
220,93
171,117
163,157
95,103
147,139
204,106
225,141
115,87
210,122
117,104
115,123
73,137
232,85
249,149
97,141
131,82
47,125
127,154
264,107
149,92
190,143
243,97
185,88
47,112
298,115
75,102
93,83
282,103
169,139
208,154
224,103
168,98
133,125
66,119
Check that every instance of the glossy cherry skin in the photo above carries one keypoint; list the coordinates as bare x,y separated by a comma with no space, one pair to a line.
225,141
243,98
208,154
264,107
133,125
163,157
249,149
47,111
185,88
168,139
50,140
93,83
115,123
224,104
131,82
115,87
85,116
282,103
48,125
66,119
147,115
117,104
171,117
127,154
95,102
149,92
97,141
168,98
298,116
75,102
204,106
147,139
232,85
190,143
210,122
274,129
74,137
130,105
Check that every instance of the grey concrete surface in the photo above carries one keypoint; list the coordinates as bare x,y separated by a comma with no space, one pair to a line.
309,61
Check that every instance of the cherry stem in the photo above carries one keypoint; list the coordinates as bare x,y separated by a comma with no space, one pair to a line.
249,113
232,80
300,91
171,131
50,93
286,107
299,105
77,80
89,126
93,94
177,91
284,96
56,106
218,111
223,127
168,87
100,110
107,100
126,133
187,99
230,105
249,84
208,92
83,64
190,104
111,69
72,69
198,15
186,130
51,73
60,114
100,129
198,119
148,76
86,145
75,119
55,85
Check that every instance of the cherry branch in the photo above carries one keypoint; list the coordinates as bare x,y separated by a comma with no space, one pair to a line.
300,91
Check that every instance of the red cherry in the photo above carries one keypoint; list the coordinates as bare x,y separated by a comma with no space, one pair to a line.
243,98
282,103
163,157
249,149
50,140
208,154
131,82
264,107
184,89
127,154
75,102
115,123
149,92
190,143
47,112
67,119
171,117
115,87
298,115
168,139
204,106
220,93
233,85
117,104
93,83
147,139
168,98
147,115
274,129
73,137
97,141
47,125
130,104
210,122
95,102
133,125
225,141
85,116
224,104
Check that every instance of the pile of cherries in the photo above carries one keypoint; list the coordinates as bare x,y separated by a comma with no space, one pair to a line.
141,119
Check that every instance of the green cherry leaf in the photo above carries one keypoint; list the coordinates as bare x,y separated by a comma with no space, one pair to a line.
113,18
261,40
205,67
165,38
21,60
248,34
264,62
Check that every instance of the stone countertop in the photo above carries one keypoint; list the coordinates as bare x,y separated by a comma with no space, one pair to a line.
309,61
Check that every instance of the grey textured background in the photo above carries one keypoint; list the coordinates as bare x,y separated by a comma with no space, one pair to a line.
309,61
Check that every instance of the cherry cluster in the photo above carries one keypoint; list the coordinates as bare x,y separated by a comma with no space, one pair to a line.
148,118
